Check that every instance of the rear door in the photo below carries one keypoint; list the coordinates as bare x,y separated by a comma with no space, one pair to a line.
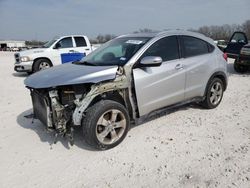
197,60
82,45
237,41
157,87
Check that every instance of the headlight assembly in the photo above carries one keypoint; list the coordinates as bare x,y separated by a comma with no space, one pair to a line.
24,58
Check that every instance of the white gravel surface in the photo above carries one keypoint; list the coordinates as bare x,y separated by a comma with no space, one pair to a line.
185,147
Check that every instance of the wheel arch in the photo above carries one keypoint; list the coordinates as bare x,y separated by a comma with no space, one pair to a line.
117,96
36,59
221,75
111,95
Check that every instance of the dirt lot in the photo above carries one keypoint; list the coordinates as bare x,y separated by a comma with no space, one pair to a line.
185,147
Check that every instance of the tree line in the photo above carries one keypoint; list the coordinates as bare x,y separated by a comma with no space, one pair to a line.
216,32
222,32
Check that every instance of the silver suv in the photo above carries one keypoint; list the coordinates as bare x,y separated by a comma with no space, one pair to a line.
125,79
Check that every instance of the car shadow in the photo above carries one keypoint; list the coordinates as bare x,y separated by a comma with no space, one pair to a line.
165,111
20,74
48,137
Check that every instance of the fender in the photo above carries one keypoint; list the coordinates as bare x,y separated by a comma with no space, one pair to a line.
220,75
41,58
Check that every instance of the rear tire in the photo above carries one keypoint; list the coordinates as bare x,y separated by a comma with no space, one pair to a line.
41,64
214,93
240,68
105,125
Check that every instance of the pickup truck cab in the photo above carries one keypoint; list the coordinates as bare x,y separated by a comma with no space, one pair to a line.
242,63
236,42
239,49
55,52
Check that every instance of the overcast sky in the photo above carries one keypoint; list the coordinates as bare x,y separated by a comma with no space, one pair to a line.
43,19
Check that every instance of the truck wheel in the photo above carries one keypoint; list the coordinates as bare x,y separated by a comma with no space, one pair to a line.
41,64
214,93
105,125
240,68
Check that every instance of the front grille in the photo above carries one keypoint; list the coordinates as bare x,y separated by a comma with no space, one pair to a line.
40,106
17,57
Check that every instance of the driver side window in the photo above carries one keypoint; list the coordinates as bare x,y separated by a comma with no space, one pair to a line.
166,48
65,43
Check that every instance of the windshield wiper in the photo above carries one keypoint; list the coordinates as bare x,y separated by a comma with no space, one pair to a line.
83,63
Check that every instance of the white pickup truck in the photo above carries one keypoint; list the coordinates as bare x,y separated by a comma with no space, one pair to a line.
57,51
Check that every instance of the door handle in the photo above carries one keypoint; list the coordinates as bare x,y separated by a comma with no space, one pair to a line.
71,51
178,67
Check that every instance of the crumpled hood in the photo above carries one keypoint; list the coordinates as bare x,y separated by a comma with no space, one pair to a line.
69,74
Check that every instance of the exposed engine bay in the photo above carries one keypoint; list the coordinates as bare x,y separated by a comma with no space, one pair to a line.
61,108
54,107
59,104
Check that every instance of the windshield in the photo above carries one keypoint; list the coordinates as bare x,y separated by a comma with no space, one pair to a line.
115,52
48,44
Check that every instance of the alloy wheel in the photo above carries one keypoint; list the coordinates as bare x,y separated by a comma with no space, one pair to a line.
216,93
44,65
110,126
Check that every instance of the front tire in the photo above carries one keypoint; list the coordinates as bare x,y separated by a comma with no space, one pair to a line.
214,93
41,64
105,125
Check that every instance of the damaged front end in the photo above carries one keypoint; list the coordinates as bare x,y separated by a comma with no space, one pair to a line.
54,107
61,108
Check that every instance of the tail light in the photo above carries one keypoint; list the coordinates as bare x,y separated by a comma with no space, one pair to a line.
225,56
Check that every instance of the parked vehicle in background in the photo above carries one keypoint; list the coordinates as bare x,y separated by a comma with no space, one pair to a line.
222,44
125,79
236,42
242,62
15,49
57,51
239,49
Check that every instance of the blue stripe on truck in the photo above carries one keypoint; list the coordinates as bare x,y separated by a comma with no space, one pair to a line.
70,57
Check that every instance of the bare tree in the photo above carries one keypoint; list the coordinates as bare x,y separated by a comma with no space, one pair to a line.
246,28
104,38
222,32
145,30
215,32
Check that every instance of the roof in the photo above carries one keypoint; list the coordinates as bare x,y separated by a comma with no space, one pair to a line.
169,32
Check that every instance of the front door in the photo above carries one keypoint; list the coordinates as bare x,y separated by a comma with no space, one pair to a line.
63,51
157,87
237,41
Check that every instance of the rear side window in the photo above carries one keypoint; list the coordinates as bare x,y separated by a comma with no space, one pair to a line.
66,42
80,41
210,47
193,46
166,48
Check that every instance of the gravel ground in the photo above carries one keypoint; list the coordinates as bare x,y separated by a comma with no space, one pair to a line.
185,147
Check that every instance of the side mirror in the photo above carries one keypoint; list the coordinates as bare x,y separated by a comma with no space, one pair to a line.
151,61
57,46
